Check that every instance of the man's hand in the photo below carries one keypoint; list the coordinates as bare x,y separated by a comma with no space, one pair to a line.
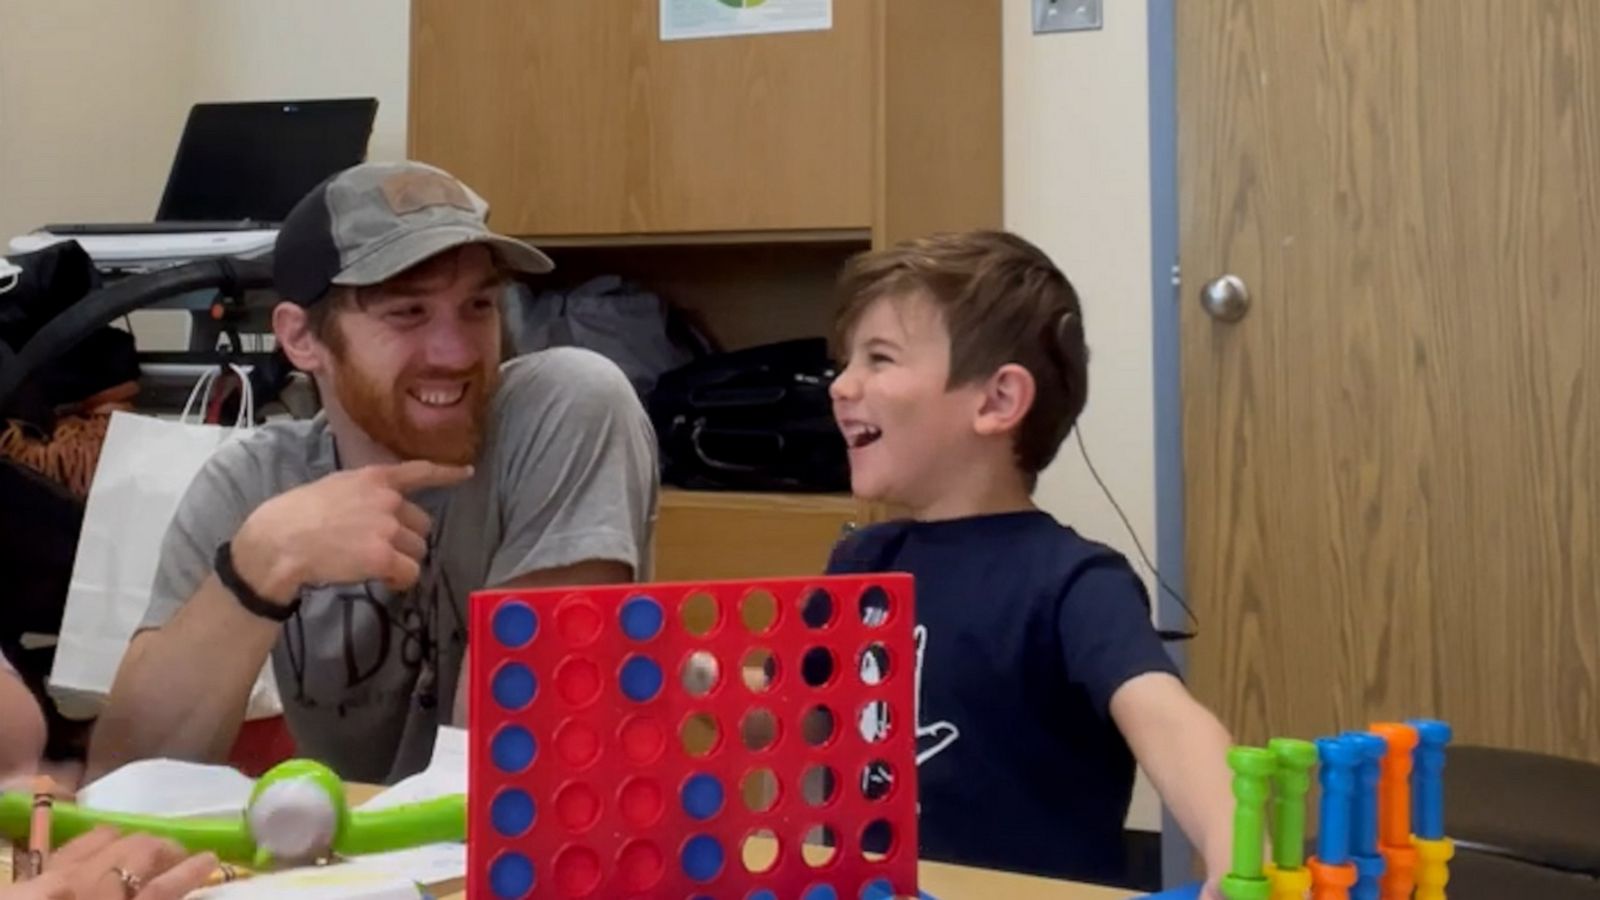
347,527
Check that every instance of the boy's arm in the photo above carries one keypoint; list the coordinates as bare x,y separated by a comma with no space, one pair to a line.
22,730
1183,748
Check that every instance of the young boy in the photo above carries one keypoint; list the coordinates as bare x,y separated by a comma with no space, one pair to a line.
1042,680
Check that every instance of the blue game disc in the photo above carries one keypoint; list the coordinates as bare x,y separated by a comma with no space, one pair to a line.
641,618
702,797
702,858
515,624
762,894
880,889
641,679
820,892
512,749
511,876
511,812
514,686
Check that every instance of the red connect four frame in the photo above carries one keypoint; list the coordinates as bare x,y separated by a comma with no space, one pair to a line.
739,739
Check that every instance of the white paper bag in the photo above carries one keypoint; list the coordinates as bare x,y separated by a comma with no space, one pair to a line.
146,465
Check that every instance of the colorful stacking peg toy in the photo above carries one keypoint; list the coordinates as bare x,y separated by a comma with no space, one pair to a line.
1380,833
1364,853
1252,769
1434,850
1332,872
1291,781
1394,811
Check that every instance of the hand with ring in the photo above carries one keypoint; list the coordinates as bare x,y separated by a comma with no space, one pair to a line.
103,865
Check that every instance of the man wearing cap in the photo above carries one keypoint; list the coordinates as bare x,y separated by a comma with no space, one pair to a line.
344,547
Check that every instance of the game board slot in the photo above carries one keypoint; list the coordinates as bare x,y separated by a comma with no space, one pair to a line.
819,849
515,624
818,726
511,876
702,796
818,667
578,681
877,780
640,678
700,734
758,611
579,621
875,721
577,870
643,740
640,801
759,730
817,608
877,841
701,858
577,744
641,618
759,851
641,865
759,670
760,790
577,807
511,812
512,749
874,606
819,786
872,664
700,673
513,686
700,614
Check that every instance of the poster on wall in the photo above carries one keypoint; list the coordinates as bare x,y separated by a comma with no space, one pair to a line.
688,19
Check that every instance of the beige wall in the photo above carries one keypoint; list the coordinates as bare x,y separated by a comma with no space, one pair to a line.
92,98
1077,161
300,49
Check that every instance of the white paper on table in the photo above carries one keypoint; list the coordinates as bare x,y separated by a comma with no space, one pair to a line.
343,881
169,787
445,774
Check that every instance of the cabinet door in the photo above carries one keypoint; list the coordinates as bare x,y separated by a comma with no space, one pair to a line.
574,118
703,536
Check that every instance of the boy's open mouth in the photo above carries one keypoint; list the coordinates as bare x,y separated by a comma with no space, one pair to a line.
859,434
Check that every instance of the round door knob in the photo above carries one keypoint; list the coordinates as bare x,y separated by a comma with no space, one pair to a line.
1226,298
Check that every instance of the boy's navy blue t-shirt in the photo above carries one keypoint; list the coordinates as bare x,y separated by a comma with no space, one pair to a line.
1024,631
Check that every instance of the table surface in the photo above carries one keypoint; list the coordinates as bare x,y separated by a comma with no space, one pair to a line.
943,881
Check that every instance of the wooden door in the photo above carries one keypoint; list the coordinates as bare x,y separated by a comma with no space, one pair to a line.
1392,463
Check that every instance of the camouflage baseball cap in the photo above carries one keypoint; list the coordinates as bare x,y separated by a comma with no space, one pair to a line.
373,221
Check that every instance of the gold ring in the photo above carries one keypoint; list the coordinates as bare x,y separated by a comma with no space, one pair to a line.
131,883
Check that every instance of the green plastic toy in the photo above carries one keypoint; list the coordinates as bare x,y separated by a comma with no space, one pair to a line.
1252,768
297,814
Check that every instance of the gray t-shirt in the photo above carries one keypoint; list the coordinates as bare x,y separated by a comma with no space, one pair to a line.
568,473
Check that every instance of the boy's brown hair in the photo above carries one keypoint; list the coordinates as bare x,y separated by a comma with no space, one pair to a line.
1003,301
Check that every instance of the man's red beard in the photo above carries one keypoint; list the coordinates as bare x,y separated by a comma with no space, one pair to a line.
379,409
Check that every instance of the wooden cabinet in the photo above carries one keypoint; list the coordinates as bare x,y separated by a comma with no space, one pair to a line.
575,119
733,176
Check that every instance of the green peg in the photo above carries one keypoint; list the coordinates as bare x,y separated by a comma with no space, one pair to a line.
1290,783
1252,769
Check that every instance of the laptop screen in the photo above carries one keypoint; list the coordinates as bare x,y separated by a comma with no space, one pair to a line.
256,160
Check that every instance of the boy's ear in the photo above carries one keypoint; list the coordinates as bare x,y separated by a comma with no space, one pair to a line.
292,328
1007,397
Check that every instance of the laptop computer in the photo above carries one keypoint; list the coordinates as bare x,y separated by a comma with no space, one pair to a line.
243,166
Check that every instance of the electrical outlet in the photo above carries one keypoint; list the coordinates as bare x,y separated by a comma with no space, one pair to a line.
1067,15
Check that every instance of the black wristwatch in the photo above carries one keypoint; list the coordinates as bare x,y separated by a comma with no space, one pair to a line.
246,595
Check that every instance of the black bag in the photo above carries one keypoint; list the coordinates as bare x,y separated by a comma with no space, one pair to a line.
758,419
